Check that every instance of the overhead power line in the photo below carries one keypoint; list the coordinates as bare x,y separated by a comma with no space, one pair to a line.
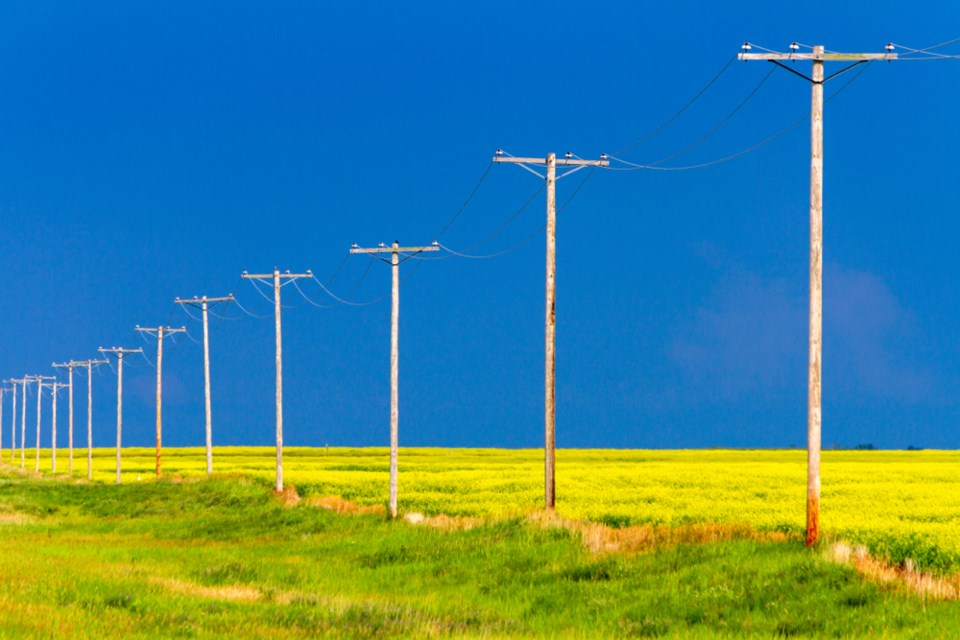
633,166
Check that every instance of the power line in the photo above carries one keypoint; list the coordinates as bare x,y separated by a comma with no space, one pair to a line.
308,299
666,123
632,166
518,245
465,203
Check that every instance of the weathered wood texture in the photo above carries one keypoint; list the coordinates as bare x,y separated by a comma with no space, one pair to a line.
550,338
816,303
394,376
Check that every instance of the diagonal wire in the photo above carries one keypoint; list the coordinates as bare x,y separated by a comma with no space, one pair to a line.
341,300
465,202
536,233
666,123
249,313
307,298
631,166
696,143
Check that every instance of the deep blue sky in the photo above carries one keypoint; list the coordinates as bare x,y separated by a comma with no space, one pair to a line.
154,150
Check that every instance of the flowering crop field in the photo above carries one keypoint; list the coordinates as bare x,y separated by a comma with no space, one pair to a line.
899,504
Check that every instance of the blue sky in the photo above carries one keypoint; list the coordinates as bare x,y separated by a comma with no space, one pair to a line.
155,150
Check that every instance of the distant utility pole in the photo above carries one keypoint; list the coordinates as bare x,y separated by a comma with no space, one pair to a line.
69,367
394,250
119,353
89,364
56,386
13,422
278,279
550,364
159,332
40,385
23,419
2,390
204,303
818,56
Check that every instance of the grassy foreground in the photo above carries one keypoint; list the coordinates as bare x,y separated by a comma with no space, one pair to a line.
225,557
902,505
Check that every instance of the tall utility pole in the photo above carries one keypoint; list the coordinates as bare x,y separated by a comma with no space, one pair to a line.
818,56
278,282
550,362
40,385
159,332
394,250
119,353
55,387
69,367
204,303
89,364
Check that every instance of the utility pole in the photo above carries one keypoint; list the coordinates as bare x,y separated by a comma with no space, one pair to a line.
23,419
817,56
550,332
204,303
278,282
40,385
2,390
119,353
159,332
69,367
56,386
13,422
89,364
394,250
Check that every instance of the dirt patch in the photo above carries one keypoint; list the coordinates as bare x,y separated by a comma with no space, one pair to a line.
234,593
444,522
15,518
289,496
338,504
600,538
925,584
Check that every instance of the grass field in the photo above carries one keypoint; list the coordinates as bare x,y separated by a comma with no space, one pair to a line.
899,504
709,545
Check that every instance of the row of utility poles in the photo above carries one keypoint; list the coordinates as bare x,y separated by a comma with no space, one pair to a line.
818,56
203,303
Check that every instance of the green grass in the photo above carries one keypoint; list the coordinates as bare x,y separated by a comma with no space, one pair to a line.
899,504
225,558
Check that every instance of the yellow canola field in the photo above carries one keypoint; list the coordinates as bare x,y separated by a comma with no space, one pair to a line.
901,503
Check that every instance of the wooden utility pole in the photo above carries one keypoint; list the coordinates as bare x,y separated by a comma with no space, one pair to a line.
23,419
2,390
159,332
40,385
13,420
89,364
55,387
550,331
394,250
204,303
278,281
69,367
119,353
817,56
